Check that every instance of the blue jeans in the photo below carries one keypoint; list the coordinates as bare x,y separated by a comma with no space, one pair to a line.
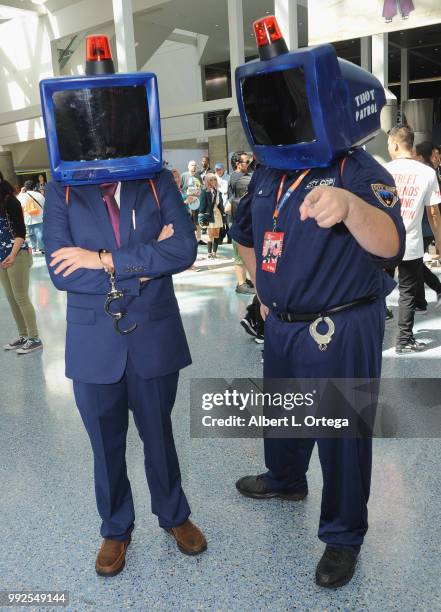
35,235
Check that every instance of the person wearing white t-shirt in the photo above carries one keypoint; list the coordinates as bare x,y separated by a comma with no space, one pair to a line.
428,153
34,223
417,187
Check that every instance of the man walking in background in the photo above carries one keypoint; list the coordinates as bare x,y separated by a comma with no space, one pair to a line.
205,167
32,203
428,153
417,187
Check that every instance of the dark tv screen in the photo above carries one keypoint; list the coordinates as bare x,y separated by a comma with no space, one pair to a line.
277,108
102,123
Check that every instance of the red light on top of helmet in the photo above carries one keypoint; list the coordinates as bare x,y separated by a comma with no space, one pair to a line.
98,49
267,31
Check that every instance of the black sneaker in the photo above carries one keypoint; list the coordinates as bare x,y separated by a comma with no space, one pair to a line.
15,345
249,326
30,346
202,243
335,568
254,486
420,311
389,314
410,347
259,339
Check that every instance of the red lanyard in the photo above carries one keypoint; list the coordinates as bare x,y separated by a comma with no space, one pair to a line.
291,189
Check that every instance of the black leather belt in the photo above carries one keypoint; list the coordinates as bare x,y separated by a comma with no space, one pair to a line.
294,317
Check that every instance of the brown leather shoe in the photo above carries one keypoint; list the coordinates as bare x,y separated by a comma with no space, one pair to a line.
111,557
189,538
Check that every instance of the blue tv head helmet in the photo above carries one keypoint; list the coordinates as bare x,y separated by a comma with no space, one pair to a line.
102,127
304,108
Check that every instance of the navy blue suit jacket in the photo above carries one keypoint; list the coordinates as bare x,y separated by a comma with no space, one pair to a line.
95,352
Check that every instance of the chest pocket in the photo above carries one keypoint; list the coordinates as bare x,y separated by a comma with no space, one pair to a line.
264,202
264,191
264,198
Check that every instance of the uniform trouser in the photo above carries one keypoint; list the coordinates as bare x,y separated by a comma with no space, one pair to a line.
355,351
105,413
15,282
409,275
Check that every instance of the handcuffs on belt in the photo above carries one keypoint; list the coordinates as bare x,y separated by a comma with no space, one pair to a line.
323,339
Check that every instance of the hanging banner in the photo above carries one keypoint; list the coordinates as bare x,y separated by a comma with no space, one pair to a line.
333,20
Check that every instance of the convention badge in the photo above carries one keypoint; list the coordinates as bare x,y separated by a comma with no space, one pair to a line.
386,195
272,250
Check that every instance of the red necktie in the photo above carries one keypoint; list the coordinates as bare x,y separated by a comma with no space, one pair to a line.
108,193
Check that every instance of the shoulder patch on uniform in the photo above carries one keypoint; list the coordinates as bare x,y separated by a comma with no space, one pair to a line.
385,194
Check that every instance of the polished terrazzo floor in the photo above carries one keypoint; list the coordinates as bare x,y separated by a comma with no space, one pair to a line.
261,555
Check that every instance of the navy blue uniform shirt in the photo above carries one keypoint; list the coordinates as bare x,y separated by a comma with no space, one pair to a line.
319,268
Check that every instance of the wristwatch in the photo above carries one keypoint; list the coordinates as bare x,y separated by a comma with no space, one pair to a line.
100,252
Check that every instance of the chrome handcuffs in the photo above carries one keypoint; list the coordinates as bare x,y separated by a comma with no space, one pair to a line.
113,295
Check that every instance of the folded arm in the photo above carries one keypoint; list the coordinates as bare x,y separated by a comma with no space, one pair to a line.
161,257
57,236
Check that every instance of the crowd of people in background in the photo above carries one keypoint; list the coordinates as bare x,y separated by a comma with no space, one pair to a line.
211,196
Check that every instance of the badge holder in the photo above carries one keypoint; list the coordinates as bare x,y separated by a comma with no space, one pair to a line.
273,241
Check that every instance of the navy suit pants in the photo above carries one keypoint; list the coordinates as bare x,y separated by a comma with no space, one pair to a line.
105,413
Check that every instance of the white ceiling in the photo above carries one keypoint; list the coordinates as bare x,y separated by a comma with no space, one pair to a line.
209,17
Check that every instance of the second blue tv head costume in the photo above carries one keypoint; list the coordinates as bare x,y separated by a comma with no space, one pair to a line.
320,222
115,231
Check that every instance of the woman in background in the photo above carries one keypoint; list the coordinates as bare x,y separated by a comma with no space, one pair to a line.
177,179
15,264
40,185
211,212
